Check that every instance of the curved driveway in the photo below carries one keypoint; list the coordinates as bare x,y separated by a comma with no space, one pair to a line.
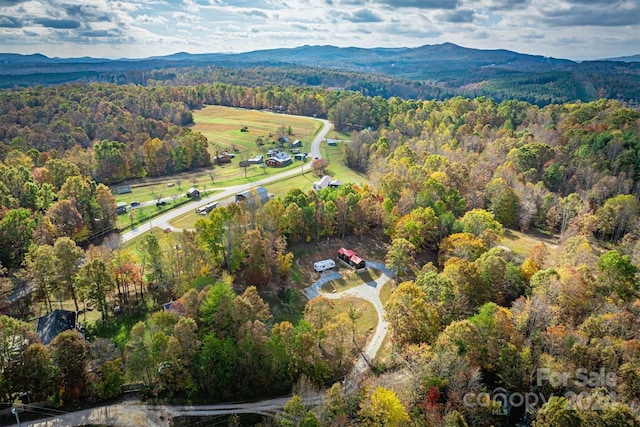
369,292
133,413
162,221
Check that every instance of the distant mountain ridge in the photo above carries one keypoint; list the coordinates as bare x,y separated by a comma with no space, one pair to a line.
632,58
447,69
321,55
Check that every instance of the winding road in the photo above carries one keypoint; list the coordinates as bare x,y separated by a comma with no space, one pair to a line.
130,413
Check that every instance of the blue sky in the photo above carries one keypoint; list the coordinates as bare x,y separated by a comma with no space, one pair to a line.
574,29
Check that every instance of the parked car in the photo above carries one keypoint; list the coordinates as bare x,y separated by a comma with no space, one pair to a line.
134,205
161,203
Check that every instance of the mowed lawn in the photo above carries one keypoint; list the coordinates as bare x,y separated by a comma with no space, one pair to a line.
522,243
221,126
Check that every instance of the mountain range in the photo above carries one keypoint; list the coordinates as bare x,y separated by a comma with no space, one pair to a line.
452,68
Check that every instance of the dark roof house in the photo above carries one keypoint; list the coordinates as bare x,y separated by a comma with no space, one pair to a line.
52,324
279,160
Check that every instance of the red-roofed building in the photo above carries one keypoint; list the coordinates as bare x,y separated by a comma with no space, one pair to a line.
351,258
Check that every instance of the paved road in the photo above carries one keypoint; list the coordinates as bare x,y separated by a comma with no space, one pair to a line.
227,193
134,413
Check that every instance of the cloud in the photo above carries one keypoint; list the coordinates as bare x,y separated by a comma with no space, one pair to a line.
58,24
10,22
146,19
599,14
361,16
460,16
254,12
9,3
89,13
421,4
505,5
111,32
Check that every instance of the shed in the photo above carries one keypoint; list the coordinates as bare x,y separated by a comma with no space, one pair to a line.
256,160
193,193
52,324
296,144
283,140
332,142
324,265
259,194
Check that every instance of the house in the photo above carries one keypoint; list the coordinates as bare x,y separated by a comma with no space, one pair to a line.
279,160
222,158
324,181
332,142
193,193
351,258
323,265
121,208
296,144
52,324
258,194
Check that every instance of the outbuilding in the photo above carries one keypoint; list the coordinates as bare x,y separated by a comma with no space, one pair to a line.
193,193
258,194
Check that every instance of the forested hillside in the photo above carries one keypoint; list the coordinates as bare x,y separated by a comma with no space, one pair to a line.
453,182
426,72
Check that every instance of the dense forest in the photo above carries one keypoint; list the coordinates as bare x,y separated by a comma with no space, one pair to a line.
450,180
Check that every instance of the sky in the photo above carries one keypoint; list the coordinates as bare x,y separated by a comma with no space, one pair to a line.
572,29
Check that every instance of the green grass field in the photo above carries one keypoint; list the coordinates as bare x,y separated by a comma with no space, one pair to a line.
221,126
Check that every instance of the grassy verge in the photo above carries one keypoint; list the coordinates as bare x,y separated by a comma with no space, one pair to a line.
145,214
351,279
337,168
279,188
386,291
